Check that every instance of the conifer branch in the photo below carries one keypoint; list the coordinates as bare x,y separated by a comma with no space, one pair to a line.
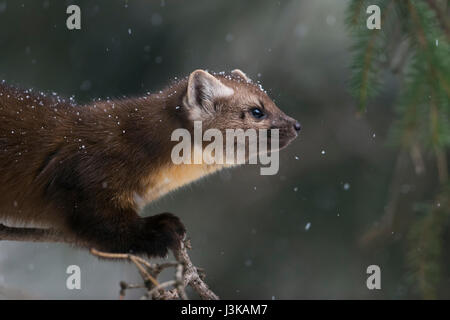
423,110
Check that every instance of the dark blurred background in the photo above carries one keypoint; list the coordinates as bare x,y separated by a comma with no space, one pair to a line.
298,234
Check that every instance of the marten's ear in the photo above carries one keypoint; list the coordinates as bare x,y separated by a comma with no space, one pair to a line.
202,90
238,73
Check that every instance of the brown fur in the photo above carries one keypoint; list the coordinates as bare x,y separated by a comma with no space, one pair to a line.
89,169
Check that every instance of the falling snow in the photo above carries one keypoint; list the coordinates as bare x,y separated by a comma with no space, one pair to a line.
308,225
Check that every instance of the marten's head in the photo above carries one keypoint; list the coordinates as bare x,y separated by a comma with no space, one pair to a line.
234,102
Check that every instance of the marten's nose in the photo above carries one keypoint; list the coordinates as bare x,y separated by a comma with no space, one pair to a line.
297,126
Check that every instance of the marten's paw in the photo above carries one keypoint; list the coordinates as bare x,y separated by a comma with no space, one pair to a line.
161,232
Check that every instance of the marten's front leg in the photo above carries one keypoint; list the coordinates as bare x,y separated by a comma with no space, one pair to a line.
99,222
157,234
123,231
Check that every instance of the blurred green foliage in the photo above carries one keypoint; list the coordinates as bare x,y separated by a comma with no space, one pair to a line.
413,42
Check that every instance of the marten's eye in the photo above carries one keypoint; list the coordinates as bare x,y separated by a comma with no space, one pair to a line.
257,113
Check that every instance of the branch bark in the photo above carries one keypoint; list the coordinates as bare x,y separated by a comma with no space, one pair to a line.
32,235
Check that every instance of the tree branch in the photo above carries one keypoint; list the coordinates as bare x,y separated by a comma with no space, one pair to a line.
33,235
186,274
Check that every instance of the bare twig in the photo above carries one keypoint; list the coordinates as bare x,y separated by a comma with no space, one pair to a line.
191,275
186,275
161,286
135,259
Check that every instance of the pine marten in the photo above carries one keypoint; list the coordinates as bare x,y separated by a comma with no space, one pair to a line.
87,170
